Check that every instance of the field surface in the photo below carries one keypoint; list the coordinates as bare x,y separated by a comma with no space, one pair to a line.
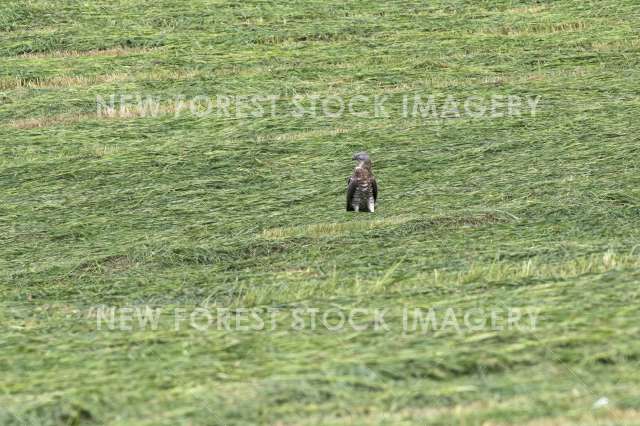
107,213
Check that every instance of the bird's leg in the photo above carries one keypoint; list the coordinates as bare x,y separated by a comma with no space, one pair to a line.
371,205
356,208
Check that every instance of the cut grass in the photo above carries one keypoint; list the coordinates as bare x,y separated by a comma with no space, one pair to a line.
180,212
115,51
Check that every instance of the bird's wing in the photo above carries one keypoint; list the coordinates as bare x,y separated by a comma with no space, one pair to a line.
374,187
351,189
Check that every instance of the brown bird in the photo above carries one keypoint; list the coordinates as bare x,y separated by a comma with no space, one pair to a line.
362,189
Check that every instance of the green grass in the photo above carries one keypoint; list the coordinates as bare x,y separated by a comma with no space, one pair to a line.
532,212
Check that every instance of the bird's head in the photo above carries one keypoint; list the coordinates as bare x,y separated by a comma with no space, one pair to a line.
360,156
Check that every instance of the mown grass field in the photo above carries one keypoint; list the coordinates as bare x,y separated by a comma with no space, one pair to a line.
528,211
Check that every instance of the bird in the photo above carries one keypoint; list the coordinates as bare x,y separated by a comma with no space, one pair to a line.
362,188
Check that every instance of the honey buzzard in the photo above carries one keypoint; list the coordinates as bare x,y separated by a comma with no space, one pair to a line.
362,189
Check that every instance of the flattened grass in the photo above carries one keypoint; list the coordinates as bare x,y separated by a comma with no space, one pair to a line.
183,212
